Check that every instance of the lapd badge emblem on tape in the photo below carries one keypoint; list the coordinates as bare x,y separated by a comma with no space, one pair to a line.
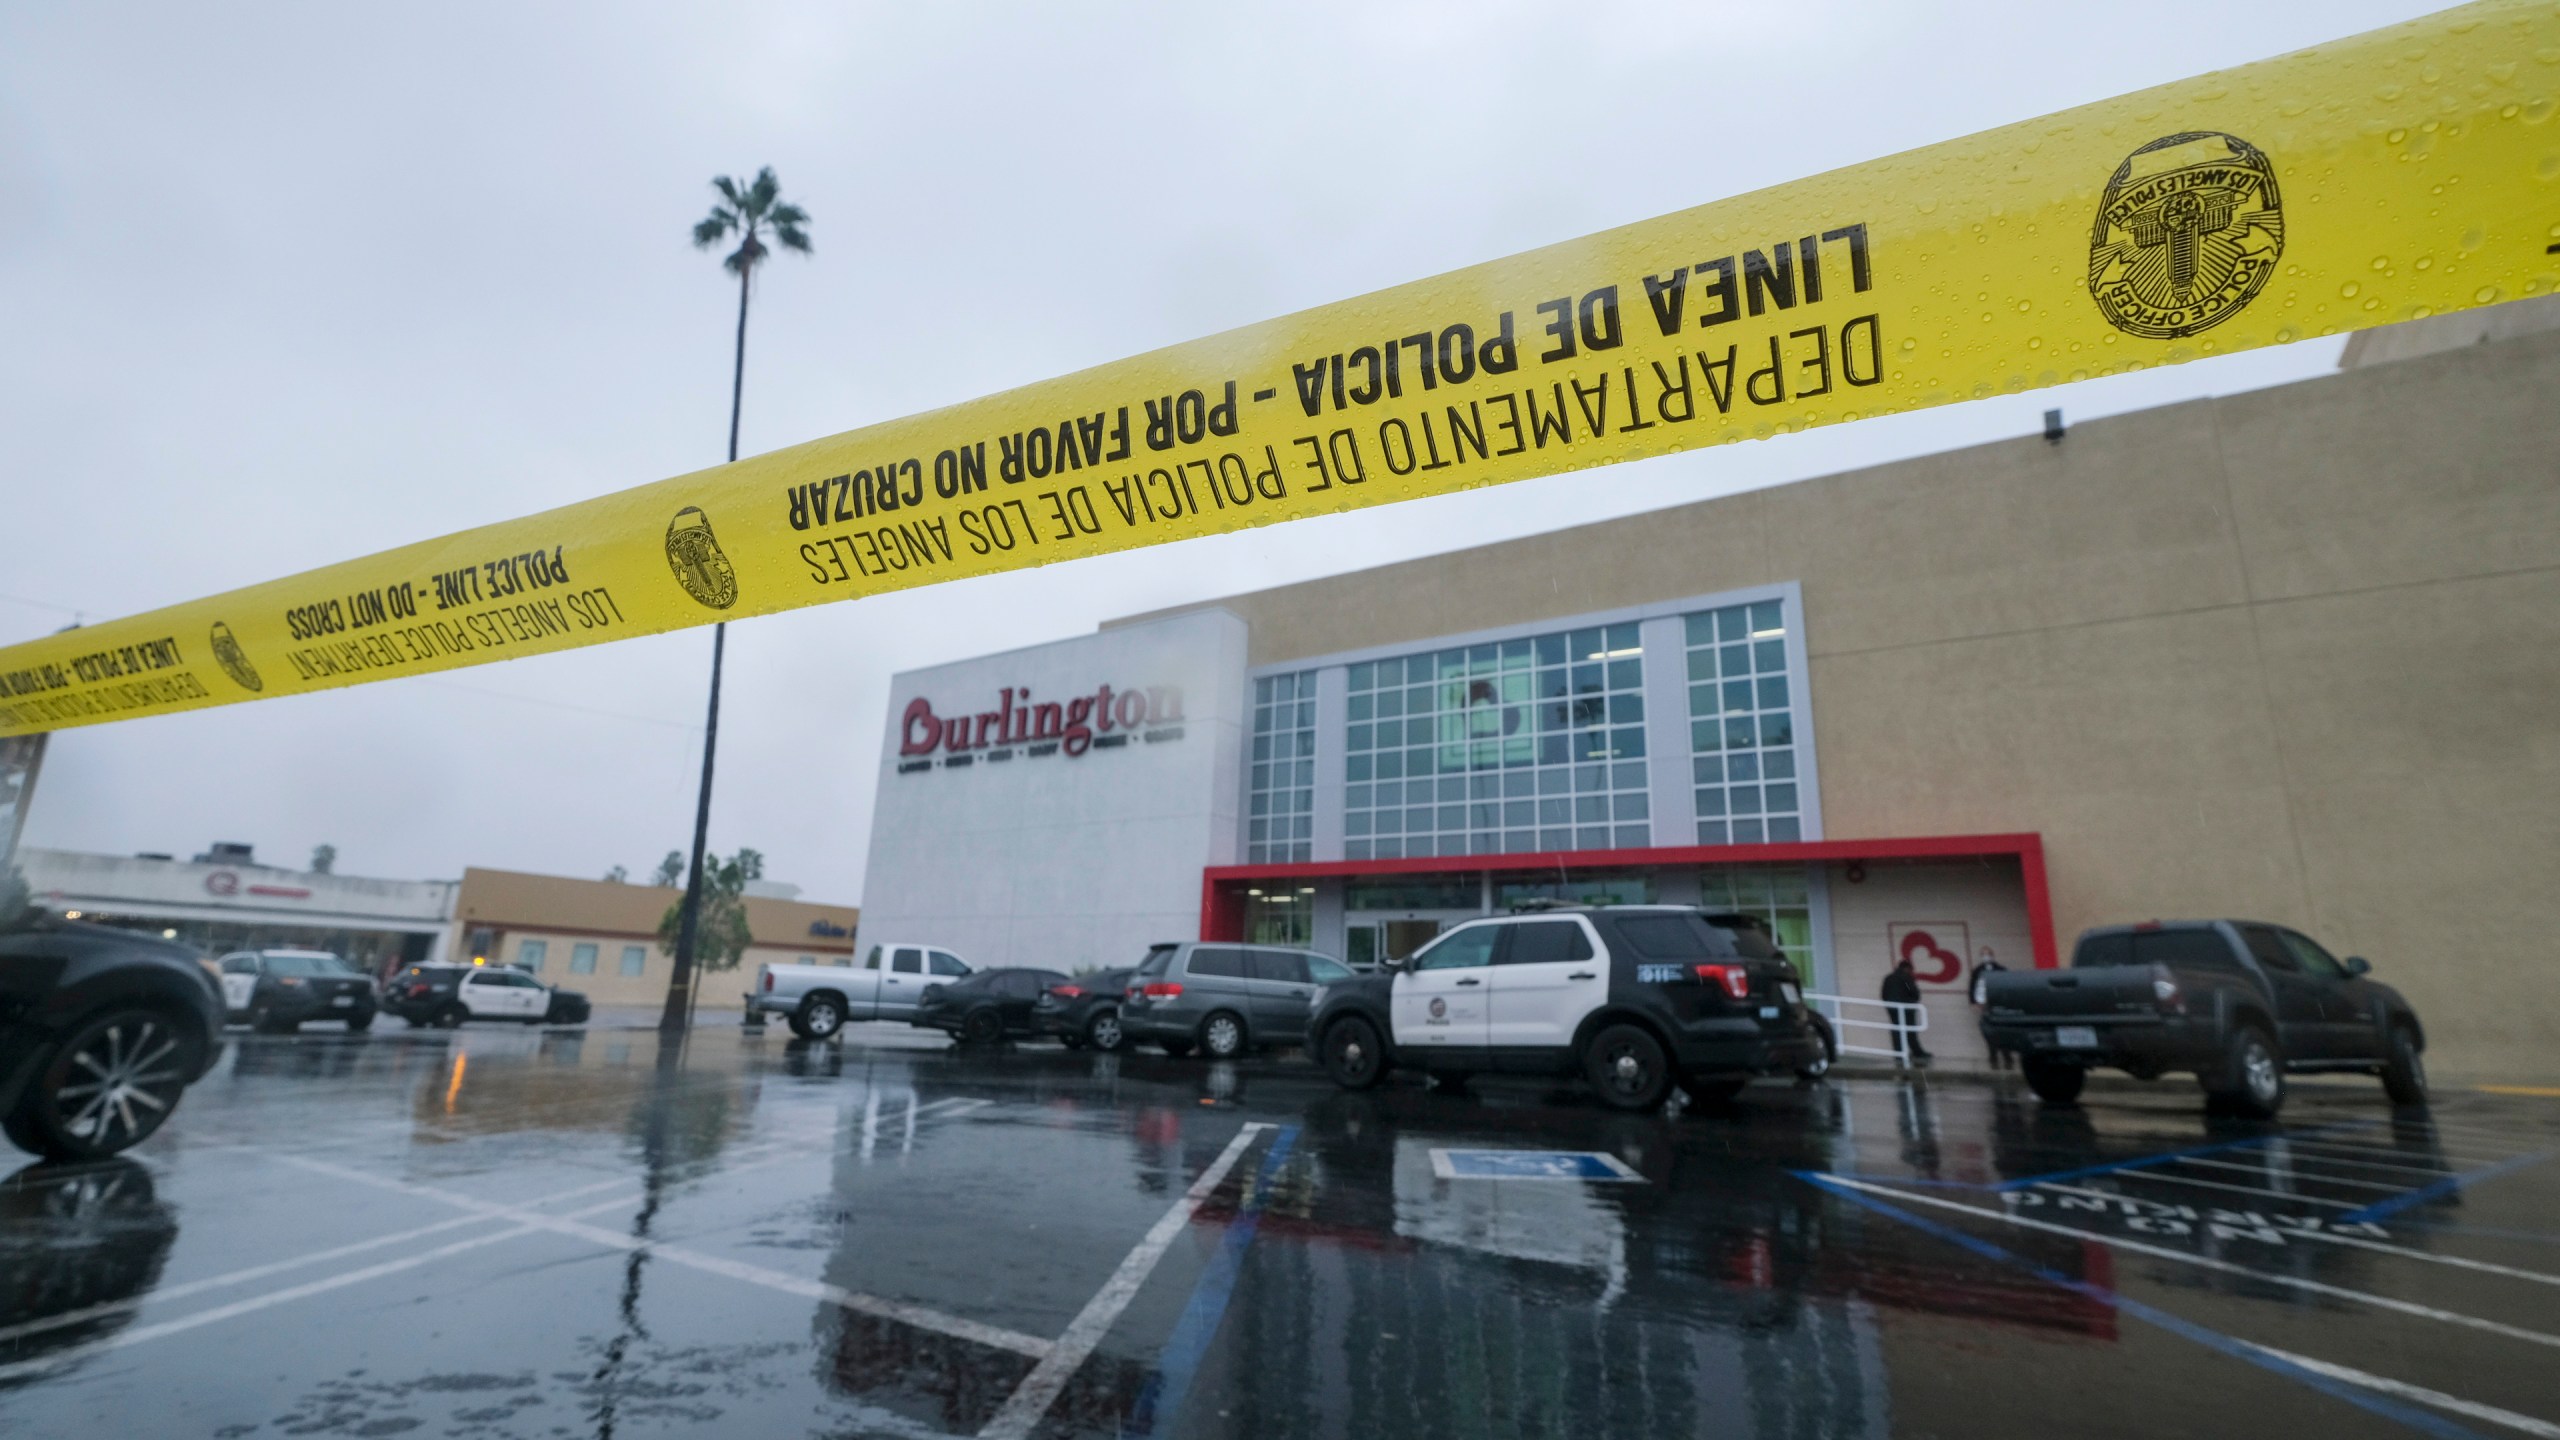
2188,231
234,660
701,567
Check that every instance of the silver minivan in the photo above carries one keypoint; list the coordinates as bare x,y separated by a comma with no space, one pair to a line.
1224,997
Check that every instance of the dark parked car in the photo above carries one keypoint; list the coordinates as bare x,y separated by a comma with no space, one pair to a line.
2236,1002
101,1032
276,990
1634,998
445,996
988,1005
1084,1011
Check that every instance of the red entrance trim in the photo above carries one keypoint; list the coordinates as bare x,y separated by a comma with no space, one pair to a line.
1222,886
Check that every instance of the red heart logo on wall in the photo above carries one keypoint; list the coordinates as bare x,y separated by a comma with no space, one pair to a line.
1931,963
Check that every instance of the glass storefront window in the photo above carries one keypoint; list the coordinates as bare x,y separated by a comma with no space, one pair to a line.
1500,748
1461,893
1742,725
1281,790
1281,917
1597,887
1779,895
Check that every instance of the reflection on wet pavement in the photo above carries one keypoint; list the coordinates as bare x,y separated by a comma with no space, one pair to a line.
477,1234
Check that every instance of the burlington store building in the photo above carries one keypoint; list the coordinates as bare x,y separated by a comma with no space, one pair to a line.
2269,655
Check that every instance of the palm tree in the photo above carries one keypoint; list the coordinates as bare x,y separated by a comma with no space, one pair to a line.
747,211
750,212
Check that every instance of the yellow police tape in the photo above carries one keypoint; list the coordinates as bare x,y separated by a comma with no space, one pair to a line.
2407,172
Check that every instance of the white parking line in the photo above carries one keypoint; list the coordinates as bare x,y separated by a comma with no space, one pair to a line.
2272,1277
2455,1403
2290,1173
2294,1155
916,1315
2130,1173
748,1159
2443,1158
255,1303
1039,1389
2459,1262
260,1272
2300,1228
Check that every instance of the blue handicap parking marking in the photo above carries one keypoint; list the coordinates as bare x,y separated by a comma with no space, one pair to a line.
1530,1165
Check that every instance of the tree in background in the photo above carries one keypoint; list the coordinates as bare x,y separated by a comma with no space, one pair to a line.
670,872
721,936
324,859
617,876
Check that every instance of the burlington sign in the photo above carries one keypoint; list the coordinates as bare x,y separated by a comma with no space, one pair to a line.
1103,719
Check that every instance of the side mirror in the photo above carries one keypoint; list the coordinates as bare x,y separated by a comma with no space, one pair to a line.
2358,965
1394,964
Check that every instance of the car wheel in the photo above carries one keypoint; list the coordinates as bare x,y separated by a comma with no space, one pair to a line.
107,1088
262,1018
818,1018
1352,1053
982,1026
1222,1036
2404,1075
448,1016
2054,1082
358,1024
1175,1048
1626,1065
1103,1032
1821,1065
2252,1078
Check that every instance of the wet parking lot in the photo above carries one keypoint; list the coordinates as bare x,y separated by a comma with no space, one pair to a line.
499,1233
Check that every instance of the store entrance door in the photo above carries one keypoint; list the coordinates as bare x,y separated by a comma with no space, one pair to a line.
1373,939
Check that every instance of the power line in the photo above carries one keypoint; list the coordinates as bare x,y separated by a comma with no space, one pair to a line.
71,611
555,704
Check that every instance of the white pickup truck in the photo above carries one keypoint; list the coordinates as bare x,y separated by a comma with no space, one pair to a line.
819,1000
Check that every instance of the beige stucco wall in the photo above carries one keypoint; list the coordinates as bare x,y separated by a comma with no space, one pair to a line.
2293,654
565,913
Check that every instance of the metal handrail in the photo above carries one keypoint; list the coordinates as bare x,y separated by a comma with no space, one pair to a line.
1910,1018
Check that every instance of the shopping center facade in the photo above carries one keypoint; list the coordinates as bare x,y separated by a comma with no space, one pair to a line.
2289,654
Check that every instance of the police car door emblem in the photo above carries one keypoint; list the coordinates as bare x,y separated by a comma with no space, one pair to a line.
234,660
2188,231
700,565
1439,1008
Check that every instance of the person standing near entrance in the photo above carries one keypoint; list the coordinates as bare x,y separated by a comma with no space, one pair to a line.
1979,992
1902,987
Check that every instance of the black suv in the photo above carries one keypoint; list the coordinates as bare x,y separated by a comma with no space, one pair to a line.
101,1032
1634,998
275,991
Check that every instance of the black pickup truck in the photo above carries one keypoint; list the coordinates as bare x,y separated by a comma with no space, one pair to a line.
2236,1002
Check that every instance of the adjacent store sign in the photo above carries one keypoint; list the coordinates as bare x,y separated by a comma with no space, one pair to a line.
2381,178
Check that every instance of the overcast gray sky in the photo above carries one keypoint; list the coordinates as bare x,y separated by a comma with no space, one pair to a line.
286,284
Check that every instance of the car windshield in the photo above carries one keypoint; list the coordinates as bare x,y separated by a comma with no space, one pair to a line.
308,965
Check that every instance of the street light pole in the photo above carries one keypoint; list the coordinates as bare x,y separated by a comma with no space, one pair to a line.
677,1017
751,211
